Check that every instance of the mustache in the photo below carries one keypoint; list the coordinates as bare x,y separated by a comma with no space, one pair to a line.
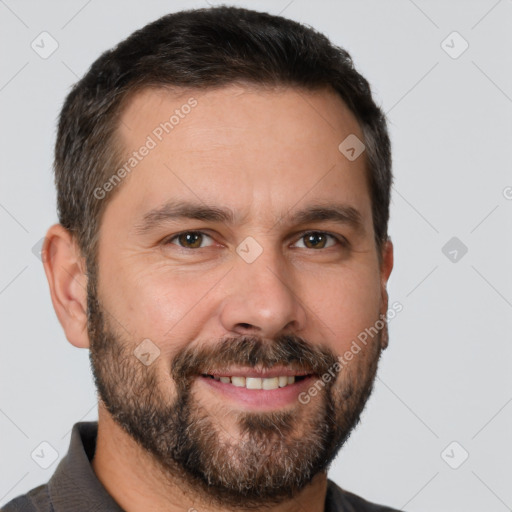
251,351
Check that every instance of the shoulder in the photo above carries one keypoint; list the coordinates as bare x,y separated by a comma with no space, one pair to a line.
36,500
340,500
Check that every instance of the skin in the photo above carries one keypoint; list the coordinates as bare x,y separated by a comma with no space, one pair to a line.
264,155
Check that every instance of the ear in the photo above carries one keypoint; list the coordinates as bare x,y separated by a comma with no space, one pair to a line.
66,273
386,267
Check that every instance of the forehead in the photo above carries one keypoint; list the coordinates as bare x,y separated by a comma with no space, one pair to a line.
246,147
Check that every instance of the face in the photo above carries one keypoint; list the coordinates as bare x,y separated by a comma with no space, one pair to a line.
236,266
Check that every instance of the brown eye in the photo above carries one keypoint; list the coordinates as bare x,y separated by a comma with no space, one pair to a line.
318,240
190,239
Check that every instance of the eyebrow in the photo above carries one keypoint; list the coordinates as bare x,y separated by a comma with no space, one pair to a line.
181,210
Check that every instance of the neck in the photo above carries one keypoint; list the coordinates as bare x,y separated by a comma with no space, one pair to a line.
136,483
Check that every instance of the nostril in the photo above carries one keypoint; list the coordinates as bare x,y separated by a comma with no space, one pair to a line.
245,326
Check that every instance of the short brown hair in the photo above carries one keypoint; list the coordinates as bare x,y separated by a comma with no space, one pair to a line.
201,49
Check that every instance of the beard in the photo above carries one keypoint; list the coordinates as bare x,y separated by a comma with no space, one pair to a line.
259,458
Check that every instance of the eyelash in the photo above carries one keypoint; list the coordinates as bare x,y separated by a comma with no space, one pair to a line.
340,240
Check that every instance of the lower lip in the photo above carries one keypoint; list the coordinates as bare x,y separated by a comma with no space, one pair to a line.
260,399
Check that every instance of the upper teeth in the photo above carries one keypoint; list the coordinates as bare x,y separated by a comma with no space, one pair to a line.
258,383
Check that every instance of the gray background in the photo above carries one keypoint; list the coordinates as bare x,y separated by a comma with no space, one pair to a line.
446,374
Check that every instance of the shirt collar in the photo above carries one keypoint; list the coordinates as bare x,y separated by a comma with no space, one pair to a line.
74,485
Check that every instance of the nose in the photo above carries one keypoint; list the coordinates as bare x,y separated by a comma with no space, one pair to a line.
260,299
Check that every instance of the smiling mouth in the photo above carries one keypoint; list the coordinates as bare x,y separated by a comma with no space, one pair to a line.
266,383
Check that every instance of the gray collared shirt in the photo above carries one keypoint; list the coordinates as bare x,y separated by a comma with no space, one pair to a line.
74,486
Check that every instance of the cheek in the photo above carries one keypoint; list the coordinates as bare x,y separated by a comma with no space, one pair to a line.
160,304
347,303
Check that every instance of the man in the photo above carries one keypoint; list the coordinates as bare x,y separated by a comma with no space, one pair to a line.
223,183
